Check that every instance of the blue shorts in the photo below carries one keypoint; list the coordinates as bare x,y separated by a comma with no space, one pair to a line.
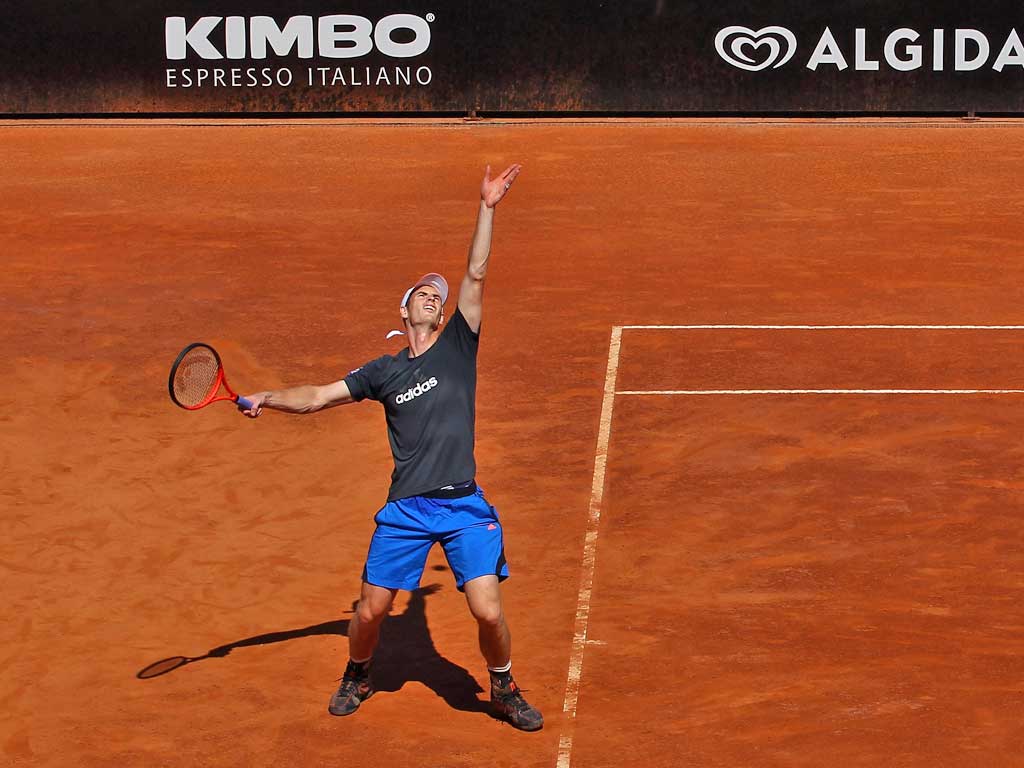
467,528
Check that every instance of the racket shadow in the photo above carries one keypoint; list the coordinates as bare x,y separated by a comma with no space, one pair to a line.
406,653
172,663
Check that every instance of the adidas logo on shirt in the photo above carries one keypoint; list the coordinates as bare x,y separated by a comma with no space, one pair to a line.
414,392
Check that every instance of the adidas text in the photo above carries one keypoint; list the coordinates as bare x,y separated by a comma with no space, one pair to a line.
416,391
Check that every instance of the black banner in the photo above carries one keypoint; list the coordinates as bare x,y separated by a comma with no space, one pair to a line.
416,56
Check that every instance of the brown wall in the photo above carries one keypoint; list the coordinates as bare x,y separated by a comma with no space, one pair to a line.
83,57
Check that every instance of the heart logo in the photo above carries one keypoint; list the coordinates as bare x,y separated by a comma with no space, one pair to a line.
755,50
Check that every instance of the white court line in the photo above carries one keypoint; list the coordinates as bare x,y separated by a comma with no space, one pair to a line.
825,327
572,687
822,392
579,640
886,327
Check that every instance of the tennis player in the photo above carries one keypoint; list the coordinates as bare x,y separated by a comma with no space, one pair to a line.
428,391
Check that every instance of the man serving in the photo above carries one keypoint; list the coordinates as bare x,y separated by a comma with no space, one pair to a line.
428,391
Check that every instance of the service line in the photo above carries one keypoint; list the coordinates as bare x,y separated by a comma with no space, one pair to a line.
824,327
821,392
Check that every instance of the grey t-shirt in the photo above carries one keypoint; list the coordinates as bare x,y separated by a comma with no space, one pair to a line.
430,404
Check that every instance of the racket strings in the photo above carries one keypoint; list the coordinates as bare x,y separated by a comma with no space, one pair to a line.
196,377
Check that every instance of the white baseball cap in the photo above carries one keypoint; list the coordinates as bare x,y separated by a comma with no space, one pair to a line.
432,279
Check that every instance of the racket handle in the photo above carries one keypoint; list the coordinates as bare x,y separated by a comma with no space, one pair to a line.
243,404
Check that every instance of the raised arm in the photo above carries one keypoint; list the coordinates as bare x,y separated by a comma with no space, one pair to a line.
305,399
471,293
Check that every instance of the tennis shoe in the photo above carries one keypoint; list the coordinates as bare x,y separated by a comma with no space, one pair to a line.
355,688
507,703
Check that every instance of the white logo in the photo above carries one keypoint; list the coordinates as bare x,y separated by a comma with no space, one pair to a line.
419,389
737,44
341,36
903,50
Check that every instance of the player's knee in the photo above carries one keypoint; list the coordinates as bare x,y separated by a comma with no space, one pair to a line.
372,612
489,614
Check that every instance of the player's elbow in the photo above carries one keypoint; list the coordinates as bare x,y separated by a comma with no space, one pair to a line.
328,396
316,401
320,400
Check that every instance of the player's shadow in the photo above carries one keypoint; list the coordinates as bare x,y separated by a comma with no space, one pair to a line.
406,653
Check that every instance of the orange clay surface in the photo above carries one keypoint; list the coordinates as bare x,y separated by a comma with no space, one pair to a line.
794,580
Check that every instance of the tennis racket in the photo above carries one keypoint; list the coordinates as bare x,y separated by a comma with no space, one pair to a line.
197,378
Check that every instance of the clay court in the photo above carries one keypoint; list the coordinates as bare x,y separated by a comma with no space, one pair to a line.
731,545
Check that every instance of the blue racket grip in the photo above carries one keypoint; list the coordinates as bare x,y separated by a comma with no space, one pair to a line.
243,404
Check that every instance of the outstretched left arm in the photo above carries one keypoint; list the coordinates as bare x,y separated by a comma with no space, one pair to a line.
471,293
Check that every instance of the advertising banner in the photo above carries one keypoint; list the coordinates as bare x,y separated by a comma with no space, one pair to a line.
253,56
518,56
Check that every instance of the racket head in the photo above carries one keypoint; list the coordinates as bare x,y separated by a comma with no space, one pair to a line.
196,375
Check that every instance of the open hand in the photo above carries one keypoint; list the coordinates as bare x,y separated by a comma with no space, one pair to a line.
493,190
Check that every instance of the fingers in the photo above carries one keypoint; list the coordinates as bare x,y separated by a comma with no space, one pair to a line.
510,173
505,176
257,406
